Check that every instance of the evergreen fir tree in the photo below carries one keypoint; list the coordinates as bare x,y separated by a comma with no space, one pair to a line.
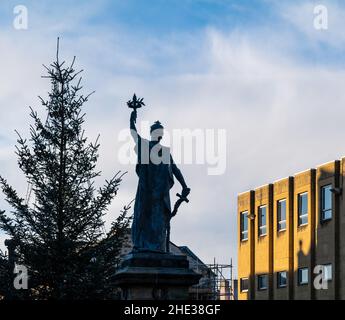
60,235
4,276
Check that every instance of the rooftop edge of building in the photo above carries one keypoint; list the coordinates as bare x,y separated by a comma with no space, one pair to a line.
342,158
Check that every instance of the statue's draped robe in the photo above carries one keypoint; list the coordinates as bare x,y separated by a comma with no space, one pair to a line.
152,207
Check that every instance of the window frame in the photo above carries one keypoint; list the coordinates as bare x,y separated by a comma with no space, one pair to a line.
260,276
279,285
300,283
322,201
242,217
279,222
261,227
241,284
300,216
328,265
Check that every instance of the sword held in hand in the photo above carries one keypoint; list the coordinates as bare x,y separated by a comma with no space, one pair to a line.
181,198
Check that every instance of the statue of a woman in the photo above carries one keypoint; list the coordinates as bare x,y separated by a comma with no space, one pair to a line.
156,170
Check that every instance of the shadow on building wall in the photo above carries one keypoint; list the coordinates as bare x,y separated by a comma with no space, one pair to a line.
319,246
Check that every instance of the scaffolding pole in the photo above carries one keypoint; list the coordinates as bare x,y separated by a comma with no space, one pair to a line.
222,281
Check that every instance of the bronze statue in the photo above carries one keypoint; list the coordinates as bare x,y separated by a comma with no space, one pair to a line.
156,170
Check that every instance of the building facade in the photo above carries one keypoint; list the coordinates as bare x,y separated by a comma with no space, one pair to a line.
291,237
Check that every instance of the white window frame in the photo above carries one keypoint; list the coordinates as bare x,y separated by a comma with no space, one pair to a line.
279,228
324,270
261,276
298,208
278,282
299,278
260,228
241,281
322,210
244,215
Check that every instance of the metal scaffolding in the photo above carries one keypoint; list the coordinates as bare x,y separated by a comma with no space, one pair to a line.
223,283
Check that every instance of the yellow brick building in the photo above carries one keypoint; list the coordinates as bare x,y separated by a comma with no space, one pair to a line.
291,237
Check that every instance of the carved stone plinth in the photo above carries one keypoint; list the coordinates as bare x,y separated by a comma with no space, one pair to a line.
155,276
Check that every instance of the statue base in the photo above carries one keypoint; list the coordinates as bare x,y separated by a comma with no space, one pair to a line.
155,276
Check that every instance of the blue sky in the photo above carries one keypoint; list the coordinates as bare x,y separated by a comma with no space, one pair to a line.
256,68
159,16
140,19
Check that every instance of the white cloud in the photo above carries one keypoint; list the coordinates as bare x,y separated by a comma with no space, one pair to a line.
302,15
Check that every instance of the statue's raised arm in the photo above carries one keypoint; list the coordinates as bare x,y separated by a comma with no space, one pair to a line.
134,104
132,126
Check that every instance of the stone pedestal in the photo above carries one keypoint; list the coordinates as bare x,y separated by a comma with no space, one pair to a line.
155,276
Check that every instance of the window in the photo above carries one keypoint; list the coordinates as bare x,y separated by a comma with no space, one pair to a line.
282,279
244,226
262,221
244,284
326,203
303,209
281,215
327,272
262,282
303,276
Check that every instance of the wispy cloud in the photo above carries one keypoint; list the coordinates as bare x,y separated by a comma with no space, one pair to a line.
282,112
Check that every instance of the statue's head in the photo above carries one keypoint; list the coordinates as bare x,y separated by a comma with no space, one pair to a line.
157,131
